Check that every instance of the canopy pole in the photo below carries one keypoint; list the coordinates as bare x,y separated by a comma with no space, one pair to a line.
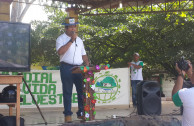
5,10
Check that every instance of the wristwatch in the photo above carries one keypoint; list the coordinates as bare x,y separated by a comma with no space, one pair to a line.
70,40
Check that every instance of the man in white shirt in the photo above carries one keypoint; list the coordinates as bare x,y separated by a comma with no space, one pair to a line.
72,53
184,96
136,75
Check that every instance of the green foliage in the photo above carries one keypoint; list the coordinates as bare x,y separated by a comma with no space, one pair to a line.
43,39
112,35
160,39
44,35
166,40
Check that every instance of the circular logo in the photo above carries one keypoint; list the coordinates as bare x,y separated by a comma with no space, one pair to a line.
107,87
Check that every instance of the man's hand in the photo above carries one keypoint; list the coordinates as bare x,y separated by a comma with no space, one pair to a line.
179,82
179,70
189,72
85,59
129,64
73,36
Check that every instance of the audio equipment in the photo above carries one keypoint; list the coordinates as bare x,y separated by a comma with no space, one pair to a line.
73,32
148,98
10,121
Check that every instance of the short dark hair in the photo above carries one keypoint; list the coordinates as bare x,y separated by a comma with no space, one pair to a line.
66,27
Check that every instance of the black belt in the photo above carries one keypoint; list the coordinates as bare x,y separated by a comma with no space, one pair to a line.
68,64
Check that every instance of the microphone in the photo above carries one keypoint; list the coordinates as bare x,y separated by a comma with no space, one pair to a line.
73,32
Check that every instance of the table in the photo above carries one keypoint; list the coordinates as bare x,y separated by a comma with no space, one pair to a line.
10,80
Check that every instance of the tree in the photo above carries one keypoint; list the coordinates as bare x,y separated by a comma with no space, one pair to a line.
43,38
167,37
161,39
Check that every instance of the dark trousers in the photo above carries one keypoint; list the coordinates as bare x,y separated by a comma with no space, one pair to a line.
134,91
68,79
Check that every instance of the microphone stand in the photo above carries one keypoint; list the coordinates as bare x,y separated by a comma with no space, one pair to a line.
33,98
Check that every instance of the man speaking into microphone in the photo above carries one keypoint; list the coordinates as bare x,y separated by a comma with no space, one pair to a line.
72,53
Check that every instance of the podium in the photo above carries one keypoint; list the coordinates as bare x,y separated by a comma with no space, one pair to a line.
88,83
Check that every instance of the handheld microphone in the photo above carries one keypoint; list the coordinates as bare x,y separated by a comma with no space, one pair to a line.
73,32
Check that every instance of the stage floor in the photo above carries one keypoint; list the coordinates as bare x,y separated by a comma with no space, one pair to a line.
54,116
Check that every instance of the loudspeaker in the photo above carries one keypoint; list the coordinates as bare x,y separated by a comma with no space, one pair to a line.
9,94
148,98
10,121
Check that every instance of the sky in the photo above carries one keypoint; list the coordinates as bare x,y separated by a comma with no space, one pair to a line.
35,12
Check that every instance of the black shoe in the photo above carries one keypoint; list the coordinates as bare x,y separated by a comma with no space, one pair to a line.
79,114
